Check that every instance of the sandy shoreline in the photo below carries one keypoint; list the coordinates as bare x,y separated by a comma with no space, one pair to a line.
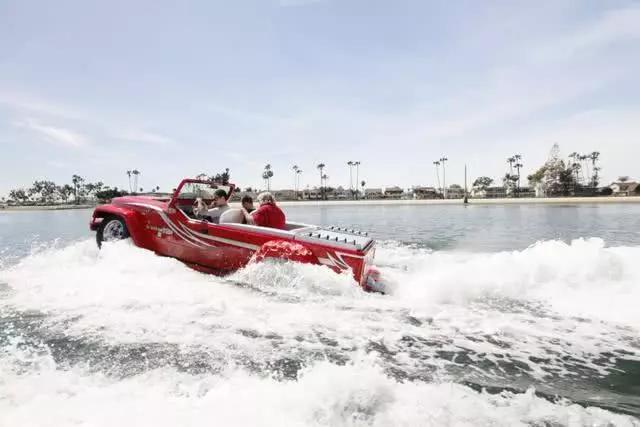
530,201
514,201
43,208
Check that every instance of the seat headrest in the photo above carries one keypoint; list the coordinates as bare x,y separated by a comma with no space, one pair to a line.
232,216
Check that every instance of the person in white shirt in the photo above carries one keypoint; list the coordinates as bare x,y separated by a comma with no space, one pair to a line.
220,205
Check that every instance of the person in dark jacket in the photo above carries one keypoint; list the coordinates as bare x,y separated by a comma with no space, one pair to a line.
247,203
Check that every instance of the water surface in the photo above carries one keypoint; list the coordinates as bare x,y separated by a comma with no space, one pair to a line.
497,315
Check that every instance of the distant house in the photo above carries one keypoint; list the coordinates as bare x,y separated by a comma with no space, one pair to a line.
236,196
285,194
627,188
478,193
455,192
340,193
527,192
373,193
312,194
394,192
495,192
425,193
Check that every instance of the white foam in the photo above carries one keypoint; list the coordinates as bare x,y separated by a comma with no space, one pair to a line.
324,395
583,278
123,294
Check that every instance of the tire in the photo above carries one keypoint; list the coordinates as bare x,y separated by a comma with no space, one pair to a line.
111,229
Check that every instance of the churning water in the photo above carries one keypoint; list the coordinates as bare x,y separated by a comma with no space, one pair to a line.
514,315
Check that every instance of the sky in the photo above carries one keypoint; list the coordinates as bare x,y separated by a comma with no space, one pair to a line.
178,88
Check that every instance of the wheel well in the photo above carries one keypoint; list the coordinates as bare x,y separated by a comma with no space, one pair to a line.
105,215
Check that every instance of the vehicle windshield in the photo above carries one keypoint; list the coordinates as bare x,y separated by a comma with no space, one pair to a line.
193,190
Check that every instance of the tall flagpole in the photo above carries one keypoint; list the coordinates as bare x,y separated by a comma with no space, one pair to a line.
466,198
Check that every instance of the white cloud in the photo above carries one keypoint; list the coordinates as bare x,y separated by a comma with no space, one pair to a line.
55,135
614,26
27,103
294,3
133,135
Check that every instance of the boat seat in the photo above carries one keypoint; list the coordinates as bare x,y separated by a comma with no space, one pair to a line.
232,216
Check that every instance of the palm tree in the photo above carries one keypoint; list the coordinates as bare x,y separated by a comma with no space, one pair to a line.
584,162
596,169
136,174
573,156
321,167
357,165
511,161
298,173
77,181
266,175
129,175
324,178
66,191
295,179
350,163
444,178
518,166
437,164
575,167
594,156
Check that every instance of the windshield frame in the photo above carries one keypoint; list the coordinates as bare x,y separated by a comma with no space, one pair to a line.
211,184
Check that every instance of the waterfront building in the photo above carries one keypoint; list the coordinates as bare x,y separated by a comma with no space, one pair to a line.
394,192
627,188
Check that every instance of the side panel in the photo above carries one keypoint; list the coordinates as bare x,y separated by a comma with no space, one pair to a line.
341,260
197,242
133,219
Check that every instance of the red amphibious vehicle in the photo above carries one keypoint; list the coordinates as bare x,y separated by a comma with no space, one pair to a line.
169,227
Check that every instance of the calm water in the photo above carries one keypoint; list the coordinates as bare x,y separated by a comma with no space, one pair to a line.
497,315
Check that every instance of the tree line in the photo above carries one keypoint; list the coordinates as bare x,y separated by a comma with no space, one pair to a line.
47,192
578,175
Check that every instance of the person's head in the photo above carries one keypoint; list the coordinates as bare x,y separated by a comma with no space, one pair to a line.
266,198
220,197
247,202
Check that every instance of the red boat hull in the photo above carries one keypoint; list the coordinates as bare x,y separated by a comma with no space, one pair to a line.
163,226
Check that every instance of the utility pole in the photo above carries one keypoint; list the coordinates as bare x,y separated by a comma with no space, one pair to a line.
357,164
350,163
295,180
444,176
437,164
466,198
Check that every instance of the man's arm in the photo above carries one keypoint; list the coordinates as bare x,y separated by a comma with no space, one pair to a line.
247,217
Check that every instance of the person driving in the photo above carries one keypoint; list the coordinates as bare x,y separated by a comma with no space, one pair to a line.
268,214
200,208
220,205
